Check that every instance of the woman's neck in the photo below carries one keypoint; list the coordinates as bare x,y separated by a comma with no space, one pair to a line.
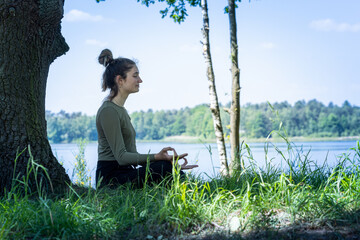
119,100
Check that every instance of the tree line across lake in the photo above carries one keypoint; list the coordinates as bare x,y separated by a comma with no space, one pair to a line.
308,119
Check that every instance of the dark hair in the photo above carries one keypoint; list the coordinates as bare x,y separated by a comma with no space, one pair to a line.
113,67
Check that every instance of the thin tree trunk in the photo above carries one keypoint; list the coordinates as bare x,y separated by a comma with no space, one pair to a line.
235,92
30,40
214,106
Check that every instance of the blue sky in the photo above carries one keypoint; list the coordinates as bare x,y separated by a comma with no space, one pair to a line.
288,51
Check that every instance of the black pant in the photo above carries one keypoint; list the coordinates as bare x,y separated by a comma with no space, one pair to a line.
113,174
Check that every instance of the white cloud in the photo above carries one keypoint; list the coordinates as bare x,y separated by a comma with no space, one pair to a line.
267,45
330,25
77,16
95,42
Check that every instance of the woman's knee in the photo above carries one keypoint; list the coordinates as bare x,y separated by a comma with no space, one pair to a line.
162,167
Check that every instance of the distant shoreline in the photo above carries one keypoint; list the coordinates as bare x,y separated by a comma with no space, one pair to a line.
190,139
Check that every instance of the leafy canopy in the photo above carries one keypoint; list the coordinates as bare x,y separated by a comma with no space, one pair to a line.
176,8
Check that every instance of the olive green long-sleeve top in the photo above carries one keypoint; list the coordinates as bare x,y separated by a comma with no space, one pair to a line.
116,136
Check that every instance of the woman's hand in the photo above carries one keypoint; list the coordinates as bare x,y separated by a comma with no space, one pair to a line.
164,155
185,165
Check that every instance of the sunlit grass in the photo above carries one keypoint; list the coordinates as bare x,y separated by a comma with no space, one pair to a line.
254,197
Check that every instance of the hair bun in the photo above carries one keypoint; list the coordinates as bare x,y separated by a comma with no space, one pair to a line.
105,57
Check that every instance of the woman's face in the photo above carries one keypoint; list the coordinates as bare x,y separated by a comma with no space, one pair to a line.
131,83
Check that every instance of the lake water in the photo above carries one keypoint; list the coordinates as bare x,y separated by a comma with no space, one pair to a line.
206,155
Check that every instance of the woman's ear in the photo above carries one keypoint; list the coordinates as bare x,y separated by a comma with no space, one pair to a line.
118,80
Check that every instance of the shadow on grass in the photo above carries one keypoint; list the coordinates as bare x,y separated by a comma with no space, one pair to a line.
292,232
346,228
303,231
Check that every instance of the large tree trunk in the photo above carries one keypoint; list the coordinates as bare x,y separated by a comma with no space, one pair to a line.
235,92
30,40
214,105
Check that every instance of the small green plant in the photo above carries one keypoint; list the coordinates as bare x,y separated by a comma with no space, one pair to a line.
80,172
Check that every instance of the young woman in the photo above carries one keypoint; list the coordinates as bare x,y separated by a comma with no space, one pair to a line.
118,159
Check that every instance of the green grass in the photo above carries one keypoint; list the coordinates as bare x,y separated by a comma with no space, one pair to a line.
253,199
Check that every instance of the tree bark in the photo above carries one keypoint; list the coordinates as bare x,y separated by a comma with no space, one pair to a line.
235,91
30,40
214,105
